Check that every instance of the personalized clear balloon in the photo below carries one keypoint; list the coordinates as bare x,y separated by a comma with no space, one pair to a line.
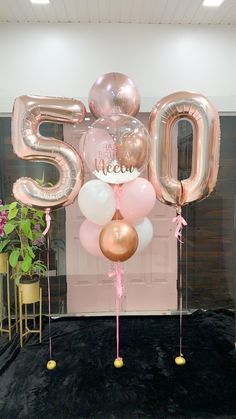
116,148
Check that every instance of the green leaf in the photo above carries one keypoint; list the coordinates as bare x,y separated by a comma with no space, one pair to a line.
4,207
12,213
40,214
3,244
12,205
42,223
25,227
30,251
40,263
41,181
26,264
14,257
9,228
40,267
24,211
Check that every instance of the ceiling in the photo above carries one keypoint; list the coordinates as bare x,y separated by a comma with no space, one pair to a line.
119,11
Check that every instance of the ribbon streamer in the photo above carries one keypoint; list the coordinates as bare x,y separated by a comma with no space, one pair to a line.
48,224
180,224
117,192
48,221
117,274
49,300
180,297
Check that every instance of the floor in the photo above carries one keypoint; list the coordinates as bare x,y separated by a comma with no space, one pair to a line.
85,384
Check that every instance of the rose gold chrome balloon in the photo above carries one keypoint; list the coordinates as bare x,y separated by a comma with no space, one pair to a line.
114,93
117,215
28,113
118,240
205,157
132,150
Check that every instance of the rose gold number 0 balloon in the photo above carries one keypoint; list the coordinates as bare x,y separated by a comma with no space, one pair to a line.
28,113
206,141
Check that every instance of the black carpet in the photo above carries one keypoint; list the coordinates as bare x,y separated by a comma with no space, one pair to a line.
86,385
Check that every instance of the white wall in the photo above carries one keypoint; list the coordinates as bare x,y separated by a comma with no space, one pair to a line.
65,59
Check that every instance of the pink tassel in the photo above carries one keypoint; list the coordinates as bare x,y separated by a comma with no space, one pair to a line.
180,224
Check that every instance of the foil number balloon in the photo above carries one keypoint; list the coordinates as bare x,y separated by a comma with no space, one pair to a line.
28,113
205,157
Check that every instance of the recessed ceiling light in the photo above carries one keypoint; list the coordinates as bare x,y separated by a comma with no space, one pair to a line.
212,3
40,1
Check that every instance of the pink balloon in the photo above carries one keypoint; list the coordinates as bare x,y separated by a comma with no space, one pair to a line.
89,237
137,199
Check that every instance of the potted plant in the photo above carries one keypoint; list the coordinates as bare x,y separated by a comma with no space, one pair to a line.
21,237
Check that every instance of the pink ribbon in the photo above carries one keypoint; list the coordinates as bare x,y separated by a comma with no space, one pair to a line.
117,192
49,298
117,273
48,221
180,224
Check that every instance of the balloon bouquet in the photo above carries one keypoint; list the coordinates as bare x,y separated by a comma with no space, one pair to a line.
116,149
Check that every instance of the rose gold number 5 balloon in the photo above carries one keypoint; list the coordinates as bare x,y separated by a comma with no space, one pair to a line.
28,113
206,141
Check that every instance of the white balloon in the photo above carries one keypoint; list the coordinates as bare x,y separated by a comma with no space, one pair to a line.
145,233
97,201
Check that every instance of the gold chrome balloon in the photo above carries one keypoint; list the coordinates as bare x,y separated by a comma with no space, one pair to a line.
132,150
118,240
117,215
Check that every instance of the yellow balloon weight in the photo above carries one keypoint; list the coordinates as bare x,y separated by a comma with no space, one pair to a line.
51,365
180,360
118,363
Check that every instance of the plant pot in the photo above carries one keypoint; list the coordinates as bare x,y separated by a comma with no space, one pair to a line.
29,289
3,262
